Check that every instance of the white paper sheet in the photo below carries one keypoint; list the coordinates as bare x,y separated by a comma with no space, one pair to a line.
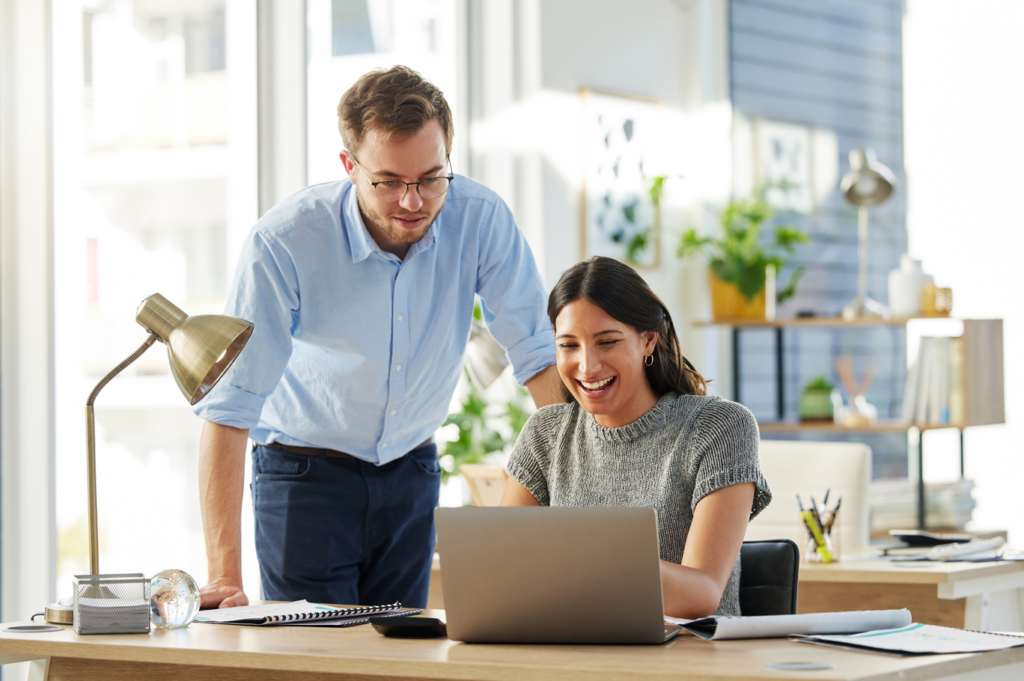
258,612
921,639
780,626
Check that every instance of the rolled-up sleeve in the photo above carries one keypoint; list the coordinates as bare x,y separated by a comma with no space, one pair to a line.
265,292
514,300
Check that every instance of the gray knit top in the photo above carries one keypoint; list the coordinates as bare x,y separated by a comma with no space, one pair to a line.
683,449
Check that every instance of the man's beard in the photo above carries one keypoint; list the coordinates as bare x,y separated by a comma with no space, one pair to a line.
383,222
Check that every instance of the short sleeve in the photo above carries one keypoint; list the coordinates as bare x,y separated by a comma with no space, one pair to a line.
531,457
727,439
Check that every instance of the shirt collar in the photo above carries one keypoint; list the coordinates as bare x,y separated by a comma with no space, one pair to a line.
363,244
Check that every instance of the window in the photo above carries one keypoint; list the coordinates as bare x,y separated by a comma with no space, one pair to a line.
347,38
154,144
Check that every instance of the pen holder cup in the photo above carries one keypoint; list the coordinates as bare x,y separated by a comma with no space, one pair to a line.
111,604
813,552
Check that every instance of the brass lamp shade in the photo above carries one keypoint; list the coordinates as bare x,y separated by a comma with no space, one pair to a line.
200,349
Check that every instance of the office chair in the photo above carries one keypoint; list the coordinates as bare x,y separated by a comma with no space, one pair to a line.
768,577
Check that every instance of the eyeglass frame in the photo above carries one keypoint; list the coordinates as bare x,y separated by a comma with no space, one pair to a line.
450,177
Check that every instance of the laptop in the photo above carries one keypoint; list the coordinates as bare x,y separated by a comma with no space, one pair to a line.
551,575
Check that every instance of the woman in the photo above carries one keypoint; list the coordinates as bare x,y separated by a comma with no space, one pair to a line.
639,430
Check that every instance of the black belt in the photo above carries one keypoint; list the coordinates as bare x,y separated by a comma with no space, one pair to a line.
329,453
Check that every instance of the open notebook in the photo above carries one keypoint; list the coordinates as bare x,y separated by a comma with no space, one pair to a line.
301,613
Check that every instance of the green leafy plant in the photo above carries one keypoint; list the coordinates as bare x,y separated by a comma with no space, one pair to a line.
819,384
477,438
737,256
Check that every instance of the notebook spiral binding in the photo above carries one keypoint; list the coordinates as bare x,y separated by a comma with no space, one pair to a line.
324,614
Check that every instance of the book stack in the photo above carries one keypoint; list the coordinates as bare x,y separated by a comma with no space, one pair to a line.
893,504
935,383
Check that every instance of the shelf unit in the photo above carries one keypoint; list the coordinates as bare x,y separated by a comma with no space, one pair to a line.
982,380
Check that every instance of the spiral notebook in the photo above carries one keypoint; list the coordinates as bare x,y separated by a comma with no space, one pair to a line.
301,613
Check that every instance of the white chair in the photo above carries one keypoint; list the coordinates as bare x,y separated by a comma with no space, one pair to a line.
809,468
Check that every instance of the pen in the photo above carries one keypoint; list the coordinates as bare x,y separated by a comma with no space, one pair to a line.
824,502
832,516
814,510
799,503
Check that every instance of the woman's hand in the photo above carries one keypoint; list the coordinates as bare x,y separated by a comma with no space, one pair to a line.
694,589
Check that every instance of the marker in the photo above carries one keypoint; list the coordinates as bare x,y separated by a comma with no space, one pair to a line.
819,538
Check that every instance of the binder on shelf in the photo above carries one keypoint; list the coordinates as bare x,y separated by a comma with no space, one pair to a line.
957,381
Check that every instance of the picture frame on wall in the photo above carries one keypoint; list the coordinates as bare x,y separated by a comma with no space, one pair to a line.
783,164
618,218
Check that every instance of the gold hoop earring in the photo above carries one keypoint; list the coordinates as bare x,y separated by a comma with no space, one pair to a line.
649,360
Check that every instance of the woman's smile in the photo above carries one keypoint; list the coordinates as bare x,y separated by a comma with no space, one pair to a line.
597,388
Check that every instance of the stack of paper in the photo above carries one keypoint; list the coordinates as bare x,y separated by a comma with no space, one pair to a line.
893,503
113,613
780,626
919,639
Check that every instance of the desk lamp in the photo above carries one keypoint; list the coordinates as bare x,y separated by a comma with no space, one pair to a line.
200,350
867,184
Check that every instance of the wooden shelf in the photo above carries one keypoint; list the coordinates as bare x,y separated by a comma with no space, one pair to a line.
753,323
827,427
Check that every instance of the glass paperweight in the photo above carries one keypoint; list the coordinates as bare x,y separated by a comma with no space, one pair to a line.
174,599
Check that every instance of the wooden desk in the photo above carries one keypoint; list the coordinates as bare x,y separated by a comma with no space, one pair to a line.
980,596
226,653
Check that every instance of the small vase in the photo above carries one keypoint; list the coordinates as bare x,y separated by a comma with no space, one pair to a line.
728,303
905,285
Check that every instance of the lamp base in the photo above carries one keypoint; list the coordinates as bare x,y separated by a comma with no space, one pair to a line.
865,307
58,613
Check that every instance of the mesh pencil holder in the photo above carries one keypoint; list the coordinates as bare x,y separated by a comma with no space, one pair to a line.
111,604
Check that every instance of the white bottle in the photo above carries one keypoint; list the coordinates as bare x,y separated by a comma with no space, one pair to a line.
905,286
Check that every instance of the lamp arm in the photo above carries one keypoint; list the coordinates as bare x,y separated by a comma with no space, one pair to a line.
90,443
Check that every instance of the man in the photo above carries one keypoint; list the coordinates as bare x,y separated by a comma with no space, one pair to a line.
361,293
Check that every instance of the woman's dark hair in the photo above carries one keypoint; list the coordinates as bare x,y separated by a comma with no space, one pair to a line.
617,289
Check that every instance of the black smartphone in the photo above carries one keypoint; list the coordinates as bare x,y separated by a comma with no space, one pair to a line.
409,627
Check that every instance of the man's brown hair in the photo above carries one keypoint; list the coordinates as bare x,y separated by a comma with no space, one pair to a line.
396,102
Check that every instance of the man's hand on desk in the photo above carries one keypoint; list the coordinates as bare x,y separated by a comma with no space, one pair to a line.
220,595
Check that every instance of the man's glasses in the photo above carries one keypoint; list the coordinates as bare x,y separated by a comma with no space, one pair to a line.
393,190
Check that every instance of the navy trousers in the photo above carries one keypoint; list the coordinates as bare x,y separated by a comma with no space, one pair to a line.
333,530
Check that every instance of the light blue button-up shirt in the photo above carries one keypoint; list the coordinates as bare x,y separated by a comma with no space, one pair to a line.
357,350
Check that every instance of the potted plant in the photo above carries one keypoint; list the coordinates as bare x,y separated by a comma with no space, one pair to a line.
739,262
816,400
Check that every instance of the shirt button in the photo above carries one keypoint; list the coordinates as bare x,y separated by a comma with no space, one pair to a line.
394,411
398,368
400,317
383,445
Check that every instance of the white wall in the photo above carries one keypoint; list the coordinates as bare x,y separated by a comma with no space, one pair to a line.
528,62
964,145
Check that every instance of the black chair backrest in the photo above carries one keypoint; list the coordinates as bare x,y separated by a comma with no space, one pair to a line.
769,571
